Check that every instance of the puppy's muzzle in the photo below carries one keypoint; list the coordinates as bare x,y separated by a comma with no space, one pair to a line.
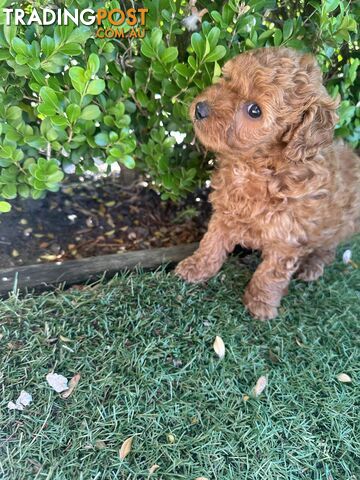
202,110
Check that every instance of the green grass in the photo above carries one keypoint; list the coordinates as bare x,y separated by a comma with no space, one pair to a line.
143,345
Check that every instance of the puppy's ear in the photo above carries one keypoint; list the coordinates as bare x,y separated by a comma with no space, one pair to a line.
315,129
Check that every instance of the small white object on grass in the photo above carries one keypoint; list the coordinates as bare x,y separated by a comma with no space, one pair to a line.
260,386
219,347
344,378
23,401
347,256
58,382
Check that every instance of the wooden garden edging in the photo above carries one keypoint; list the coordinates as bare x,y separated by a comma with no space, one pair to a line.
74,271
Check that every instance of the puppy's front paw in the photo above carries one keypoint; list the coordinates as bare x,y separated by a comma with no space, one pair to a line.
192,270
258,309
310,272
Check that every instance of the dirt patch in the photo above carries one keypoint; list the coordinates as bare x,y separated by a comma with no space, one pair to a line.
97,217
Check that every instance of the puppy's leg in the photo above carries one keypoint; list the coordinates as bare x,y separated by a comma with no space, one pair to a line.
209,257
312,266
269,283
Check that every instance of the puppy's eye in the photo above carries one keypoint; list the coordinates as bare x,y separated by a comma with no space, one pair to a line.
254,110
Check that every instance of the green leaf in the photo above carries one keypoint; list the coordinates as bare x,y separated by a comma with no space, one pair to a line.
93,63
73,112
39,77
78,80
288,28
18,155
49,97
71,49
47,45
213,37
62,32
192,62
5,207
169,54
23,191
9,32
19,46
55,177
117,151
79,35
182,70
277,37
128,161
59,121
147,49
34,63
155,38
9,191
216,54
4,54
95,87
330,5
46,109
51,135
266,34
91,112
13,113
21,59
198,44
101,139
36,142
126,83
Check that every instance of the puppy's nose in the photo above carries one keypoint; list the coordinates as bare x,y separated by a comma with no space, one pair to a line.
202,110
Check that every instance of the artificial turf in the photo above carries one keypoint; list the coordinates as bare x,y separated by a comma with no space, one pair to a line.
143,345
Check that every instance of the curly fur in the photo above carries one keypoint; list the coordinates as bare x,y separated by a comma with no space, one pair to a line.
281,185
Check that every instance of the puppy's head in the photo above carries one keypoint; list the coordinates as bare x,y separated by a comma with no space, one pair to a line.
267,98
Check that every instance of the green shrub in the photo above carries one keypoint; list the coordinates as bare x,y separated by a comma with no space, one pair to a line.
70,99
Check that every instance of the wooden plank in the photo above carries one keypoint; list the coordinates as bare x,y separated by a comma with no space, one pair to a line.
74,271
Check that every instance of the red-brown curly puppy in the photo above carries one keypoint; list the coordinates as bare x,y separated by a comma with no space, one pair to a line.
282,185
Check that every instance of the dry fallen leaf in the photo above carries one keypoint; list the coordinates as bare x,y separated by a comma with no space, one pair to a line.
22,401
260,386
246,398
219,347
273,357
344,378
72,385
49,257
58,382
125,448
153,468
100,444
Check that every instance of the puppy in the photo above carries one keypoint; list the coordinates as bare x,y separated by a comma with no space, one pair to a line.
281,184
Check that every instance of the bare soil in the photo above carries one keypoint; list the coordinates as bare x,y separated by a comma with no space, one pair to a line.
96,217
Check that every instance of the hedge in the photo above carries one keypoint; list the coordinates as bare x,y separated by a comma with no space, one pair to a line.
72,102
